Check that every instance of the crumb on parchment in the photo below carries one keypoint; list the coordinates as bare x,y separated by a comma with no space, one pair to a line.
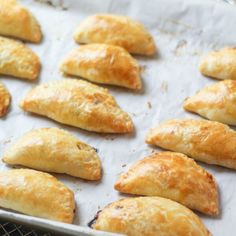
149,105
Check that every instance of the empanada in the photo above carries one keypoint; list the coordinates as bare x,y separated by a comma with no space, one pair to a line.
37,194
220,64
80,104
18,60
215,102
18,22
116,30
105,64
55,150
5,100
207,141
172,175
149,216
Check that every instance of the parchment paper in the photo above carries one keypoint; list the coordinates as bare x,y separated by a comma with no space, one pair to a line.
183,32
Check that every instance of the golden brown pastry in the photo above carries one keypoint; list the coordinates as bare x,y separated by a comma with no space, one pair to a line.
55,150
116,30
5,100
149,216
172,175
215,102
37,194
18,22
207,141
105,64
80,104
220,64
18,60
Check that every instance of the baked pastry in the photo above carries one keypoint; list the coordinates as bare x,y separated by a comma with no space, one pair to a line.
80,104
207,141
220,64
172,175
55,150
37,194
116,30
149,216
105,64
18,60
215,102
5,100
16,21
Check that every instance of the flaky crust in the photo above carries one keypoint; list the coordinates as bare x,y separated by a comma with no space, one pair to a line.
55,150
37,194
18,60
5,100
80,104
216,102
18,22
149,216
219,64
116,30
105,64
172,175
207,141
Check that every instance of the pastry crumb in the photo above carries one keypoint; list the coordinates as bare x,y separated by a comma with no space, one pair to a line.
149,105
164,86
7,141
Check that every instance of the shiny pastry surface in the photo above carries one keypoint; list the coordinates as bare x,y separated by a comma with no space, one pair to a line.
105,64
207,141
54,150
37,194
78,103
172,175
116,30
17,21
215,102
149,216
18,60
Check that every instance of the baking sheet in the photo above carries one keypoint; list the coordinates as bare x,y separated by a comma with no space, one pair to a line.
183,32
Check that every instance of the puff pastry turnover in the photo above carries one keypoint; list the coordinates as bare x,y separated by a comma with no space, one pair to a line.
37,194
220,64
80,104
172,175
55,150
116,30
18,60
105,64
5,100
216,102
149,216
207,141
18,22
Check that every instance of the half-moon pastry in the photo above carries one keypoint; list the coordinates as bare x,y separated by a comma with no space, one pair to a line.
207,141
18,60
172,175
5,100
78,103
215,102
16,21
105,64
149,216
55,150
219,64
116,30
37,194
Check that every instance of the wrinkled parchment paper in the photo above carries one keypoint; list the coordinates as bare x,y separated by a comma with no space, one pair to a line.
183,32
